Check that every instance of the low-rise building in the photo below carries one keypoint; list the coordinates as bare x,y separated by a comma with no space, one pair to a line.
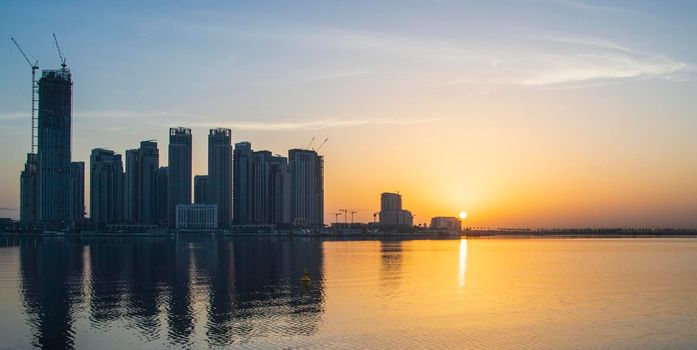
446,223
197,217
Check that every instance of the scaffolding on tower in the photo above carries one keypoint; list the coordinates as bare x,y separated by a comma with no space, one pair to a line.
34,92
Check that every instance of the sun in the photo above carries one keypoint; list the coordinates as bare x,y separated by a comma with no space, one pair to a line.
463,215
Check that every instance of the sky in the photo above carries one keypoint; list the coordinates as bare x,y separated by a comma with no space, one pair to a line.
540,113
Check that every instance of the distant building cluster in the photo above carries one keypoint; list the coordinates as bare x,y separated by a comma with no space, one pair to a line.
242,187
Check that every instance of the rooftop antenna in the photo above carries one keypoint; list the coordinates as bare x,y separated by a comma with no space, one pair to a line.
34,90
60,54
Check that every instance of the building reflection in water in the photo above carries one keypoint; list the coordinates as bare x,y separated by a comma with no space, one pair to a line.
390,266
52,274
164,290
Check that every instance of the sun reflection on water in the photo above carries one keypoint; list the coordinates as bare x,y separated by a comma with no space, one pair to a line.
463,262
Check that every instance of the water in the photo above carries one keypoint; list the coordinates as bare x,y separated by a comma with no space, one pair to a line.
116,293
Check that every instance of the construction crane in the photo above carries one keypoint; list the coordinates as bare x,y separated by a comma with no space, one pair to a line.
34,91
352,212
321,145
60,53
345,211
349,211
310,144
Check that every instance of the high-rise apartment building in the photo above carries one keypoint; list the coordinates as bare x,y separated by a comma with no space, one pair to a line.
220,173
307,187
261,187
202,191
54,146
179,176
142,166
279,191
29,190
106,187
242,203
77,191
163,196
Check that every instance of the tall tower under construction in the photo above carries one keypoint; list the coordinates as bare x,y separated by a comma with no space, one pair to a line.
54,146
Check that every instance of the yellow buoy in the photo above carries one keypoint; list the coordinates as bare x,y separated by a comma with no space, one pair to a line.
306,277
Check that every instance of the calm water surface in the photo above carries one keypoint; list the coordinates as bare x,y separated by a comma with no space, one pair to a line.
246,293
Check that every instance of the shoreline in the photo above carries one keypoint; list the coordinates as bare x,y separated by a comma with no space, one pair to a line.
361,236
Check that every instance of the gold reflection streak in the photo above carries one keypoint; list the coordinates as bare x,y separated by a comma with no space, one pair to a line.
463,262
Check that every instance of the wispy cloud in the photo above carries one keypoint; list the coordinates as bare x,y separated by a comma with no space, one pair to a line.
311,124
565,69
518,59
587,6
551,60
119,114
162,118
581,41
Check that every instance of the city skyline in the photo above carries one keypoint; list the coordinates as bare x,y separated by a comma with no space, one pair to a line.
591,128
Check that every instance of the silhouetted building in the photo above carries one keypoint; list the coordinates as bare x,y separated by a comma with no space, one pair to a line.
242,192
162,195
106,187
77,191
279,191
29,190
261,187
179,177
391,212
197,217
446,223
141,182
390,201
202,193
220,173
307,187
54,146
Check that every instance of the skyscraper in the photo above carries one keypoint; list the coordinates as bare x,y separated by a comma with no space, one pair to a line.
220,173
142,165
242,203
163,196
106,187
202,191
179,176
261,185
77,191
307,187
279,191
29,190
54,146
